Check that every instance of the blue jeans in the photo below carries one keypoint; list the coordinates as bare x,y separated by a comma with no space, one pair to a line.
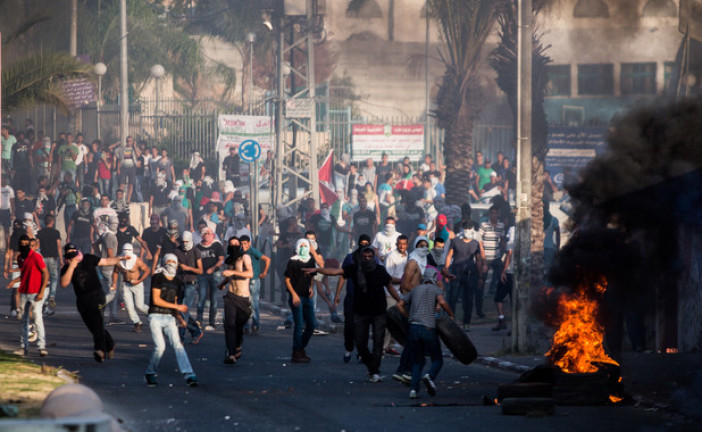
207,289
52,266
255,289
423,340
161,324
68,214
189,290
27,302
302,315
104,186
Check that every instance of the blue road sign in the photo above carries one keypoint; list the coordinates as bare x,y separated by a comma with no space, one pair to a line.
249,150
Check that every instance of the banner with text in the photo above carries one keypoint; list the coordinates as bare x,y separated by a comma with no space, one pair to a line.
234,129
571,148
398,141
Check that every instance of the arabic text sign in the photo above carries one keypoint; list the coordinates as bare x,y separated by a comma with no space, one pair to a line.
572,148
79,92
371,141
235,129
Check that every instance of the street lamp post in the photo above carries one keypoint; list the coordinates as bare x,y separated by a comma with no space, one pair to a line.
100,69
157,72
253,174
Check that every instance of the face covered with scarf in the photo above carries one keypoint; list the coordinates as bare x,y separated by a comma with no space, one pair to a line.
187,238
128,251
302,250
234,251
170,265
421,250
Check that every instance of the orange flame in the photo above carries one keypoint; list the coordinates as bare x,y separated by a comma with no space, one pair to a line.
615,399
577,343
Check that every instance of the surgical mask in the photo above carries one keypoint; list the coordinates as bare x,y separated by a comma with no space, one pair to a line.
389,229
170,269
304,252
438,252
422,251
468,233
187,245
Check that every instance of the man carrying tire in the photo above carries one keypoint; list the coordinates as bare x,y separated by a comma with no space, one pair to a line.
422,338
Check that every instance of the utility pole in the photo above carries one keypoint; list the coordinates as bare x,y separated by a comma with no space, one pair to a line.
73,51
521,303
312,86
123,77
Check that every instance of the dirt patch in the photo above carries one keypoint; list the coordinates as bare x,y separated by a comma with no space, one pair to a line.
25,384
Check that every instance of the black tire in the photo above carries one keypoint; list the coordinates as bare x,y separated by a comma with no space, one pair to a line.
456,340
396,324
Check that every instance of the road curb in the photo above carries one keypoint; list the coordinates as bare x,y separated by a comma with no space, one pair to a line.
505,365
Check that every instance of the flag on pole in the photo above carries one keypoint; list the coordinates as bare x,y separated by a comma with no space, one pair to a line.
327,194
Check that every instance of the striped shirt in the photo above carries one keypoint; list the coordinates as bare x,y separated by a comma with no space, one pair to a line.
492,236
422,302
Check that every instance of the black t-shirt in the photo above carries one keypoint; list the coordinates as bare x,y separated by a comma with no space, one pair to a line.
45,207
341,170
14,239
81,225
324,229
382,171
170,289
230,165
300,281
20,155
159,195
153,238
47,241
363,222
167,246
464,254
188,258
369,300
85,279
22,207
126,236
210,254
140,165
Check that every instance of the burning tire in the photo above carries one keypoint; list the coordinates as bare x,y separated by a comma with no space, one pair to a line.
396,324
456,340
581,388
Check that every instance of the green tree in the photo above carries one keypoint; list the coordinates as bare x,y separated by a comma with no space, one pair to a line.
504,60
464,26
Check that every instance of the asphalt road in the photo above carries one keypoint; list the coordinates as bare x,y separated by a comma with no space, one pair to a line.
264,392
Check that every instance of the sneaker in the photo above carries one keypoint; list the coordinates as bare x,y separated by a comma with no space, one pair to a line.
43,352
99,356
347,356
392,352
33,335
254,330
413,394
115,321
20,352
466,327
318,332
230,360
52,302
49,312
137,328
402,378
429,383
196,339
375,378
209,328
192,381
299,357
151,380
13,313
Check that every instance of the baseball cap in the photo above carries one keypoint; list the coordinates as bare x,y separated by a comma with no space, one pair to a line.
422,227
70,250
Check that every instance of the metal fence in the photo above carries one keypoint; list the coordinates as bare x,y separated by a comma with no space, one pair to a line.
184,126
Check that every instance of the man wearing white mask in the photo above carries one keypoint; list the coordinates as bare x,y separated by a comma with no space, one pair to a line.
164,310
384,241
416,264
133,271
464,261
189,268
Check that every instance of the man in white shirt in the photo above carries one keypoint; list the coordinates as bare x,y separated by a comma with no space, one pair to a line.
7,205
384,242
395,263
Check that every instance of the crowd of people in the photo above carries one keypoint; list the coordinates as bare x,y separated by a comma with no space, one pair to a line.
388,236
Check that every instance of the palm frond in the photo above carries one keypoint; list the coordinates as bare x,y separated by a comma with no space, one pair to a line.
24,27
36,79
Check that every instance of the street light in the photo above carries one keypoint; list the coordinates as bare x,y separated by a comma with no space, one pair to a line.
157,72
251,38
100,69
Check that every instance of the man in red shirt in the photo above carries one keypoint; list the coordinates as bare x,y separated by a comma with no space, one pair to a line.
33,281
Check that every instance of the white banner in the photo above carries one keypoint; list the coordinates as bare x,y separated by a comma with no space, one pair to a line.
234,129
371,141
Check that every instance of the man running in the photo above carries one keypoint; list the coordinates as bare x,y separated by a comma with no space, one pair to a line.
81,271
133,272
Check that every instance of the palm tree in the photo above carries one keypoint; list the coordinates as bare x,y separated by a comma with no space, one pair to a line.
504,60
464,26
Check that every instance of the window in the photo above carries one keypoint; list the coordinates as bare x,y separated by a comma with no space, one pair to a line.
369,9
591,9
558,80
638,78
596,79
660,8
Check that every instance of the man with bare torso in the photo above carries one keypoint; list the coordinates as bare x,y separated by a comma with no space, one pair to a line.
237,300
133,271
